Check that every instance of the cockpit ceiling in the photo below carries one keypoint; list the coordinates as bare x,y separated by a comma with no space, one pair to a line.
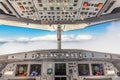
58,11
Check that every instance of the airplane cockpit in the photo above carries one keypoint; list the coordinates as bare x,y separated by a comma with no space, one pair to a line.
61,65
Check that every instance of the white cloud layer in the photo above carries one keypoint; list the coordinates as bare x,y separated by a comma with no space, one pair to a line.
51,38
109,42
42,42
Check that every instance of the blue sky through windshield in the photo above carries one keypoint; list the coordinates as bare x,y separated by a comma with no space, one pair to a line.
103,37
13,32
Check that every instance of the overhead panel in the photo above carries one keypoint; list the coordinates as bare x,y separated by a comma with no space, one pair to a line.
90,8
25,8
57,10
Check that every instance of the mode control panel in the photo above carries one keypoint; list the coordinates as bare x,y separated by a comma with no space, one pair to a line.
59,55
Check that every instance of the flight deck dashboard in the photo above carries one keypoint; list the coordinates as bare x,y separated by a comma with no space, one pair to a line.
40,70
60,65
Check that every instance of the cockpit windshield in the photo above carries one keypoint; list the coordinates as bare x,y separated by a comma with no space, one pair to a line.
27,39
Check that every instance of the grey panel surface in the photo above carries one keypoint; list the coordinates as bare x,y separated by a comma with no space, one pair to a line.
100,79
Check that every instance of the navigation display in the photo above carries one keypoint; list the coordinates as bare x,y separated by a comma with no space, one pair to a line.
83,69
35,70
60,69
97,69
21,70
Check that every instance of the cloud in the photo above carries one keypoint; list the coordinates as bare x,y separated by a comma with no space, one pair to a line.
13,47
46,37
3,40
84,37
109,42
22,39
74,38
70,37
49,37
42,42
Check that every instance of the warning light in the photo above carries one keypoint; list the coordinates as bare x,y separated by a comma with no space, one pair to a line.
85,5
100,5
22,8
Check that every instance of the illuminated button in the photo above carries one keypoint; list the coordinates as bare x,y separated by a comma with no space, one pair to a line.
41,55
55,55
100,5
50,1
67,55
65,0
85,5
51,55
72,55
50,71
58,1
76,55
22,8
46,55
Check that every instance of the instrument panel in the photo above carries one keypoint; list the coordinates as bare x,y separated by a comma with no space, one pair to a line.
61,64
80,70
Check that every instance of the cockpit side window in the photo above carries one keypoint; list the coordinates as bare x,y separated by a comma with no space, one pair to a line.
97,69
35,70
21,70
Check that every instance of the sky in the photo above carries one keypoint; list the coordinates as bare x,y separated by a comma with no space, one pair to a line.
103,38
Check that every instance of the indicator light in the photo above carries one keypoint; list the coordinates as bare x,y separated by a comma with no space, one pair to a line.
65,0
100,5
49,71
85,5
22,8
